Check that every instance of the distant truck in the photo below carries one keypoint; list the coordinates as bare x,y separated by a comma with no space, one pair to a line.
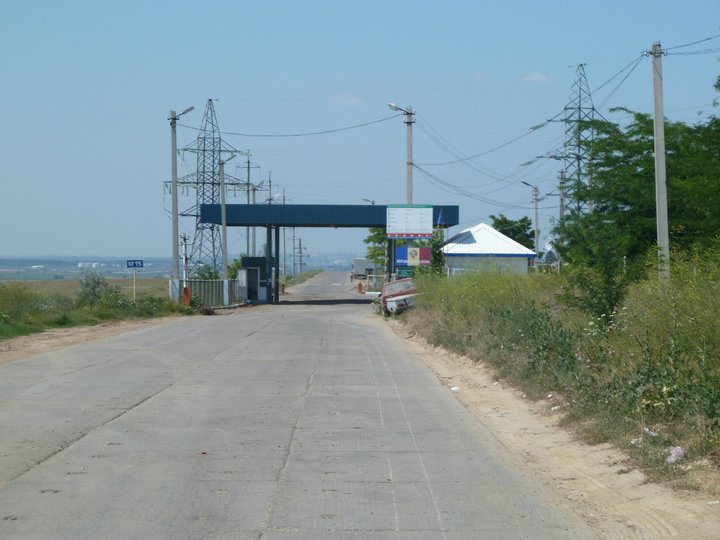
362,268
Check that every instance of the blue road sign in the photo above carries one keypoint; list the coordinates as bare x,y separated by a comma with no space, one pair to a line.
134,263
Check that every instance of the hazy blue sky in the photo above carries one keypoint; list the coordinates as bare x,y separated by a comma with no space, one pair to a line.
87,87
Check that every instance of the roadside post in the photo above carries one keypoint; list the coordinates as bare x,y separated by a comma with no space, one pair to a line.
134,264
407,222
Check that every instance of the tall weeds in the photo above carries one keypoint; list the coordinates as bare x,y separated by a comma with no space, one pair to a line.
653,362
24,311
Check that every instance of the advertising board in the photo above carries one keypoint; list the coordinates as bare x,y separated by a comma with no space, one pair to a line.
409,221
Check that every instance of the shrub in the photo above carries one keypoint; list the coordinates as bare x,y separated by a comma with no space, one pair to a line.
17,302
93,287
151,306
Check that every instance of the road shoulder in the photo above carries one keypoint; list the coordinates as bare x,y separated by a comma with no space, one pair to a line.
595,481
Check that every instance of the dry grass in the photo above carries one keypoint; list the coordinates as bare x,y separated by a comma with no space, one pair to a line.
70,287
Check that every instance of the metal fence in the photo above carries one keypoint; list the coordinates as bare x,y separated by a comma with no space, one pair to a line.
209,292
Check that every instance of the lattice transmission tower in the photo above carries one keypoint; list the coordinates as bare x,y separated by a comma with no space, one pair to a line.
209,149
578,140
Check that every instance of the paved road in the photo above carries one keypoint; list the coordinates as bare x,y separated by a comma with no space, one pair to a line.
308,420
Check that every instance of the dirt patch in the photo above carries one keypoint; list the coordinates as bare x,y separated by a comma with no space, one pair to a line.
596,481
51,340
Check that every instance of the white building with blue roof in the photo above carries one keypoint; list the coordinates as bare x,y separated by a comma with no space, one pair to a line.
482,247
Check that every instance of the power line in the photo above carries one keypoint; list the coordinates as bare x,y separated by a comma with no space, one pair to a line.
500,146
635,64
325,132
446,145
452,188
693,43
693,53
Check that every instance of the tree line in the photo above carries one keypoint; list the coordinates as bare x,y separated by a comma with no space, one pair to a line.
607,238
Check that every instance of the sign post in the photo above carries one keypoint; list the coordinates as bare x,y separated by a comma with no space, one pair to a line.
134,264
407,222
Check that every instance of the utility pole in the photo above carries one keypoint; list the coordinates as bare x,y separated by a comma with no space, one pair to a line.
173,148
247,189
663,237
562,212
300,256
293,251
562,195
223,221
536,198
408,151
184,258
409,121
247,185
254,230
284,243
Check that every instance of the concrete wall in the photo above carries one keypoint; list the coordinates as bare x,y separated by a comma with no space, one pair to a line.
457,265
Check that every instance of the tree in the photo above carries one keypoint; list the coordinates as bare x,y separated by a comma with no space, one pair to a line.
375,242
94,288
622,188
520,230
233,268
607,247
203,271
437,260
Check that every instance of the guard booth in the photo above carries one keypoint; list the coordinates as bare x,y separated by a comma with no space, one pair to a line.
257,278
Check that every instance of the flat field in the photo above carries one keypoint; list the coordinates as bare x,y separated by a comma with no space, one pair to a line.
70,287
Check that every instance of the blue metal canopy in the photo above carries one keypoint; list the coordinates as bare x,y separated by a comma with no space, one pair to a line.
314,215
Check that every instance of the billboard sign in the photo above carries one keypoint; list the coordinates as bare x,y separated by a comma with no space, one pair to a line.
413,256
409,221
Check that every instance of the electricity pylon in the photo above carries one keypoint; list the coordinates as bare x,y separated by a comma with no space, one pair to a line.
209,149
578,139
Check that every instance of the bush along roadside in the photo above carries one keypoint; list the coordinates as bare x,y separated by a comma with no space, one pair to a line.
645,377
24,311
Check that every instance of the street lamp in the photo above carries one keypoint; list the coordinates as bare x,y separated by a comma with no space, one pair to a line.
173,145
536,192
223,215
371,201
408,112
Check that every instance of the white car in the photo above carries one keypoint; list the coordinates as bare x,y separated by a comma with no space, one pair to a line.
398,304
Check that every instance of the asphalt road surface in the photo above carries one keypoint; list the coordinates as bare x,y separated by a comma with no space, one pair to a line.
308,420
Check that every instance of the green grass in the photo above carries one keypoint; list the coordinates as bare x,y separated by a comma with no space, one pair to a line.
35,306
654,364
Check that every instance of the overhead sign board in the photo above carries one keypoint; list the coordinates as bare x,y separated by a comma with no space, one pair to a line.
409,221
134,263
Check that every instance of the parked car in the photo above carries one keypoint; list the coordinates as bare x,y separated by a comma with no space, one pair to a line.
397,295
